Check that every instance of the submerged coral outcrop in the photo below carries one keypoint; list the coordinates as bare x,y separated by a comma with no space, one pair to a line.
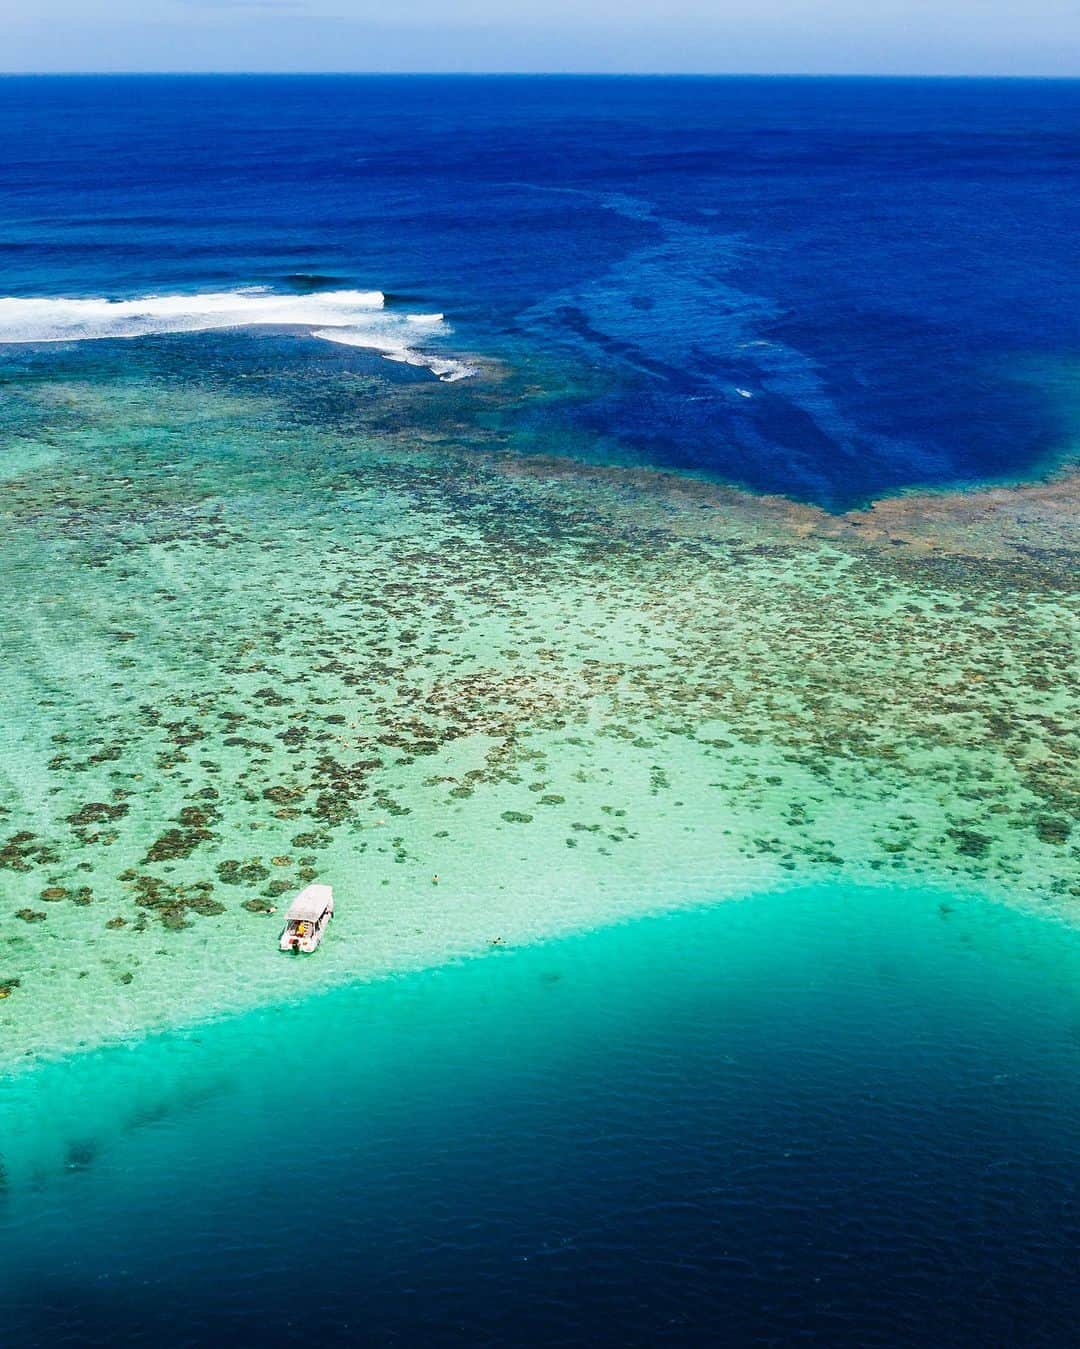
253,646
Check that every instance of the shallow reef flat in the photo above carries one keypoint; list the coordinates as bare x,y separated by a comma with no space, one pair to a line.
329,623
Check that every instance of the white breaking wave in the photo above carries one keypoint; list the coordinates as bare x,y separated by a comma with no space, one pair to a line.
353,317
43,319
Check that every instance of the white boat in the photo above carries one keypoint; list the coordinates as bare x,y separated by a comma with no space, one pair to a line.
308,918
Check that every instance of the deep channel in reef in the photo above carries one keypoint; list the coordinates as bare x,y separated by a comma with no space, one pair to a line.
279,612
836,1114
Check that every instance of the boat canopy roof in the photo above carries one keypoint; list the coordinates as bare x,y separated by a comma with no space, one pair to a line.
310,904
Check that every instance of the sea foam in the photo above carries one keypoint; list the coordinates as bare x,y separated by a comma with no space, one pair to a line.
352,317
390,344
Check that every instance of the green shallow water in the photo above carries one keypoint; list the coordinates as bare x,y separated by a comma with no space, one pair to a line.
838,1114
282,617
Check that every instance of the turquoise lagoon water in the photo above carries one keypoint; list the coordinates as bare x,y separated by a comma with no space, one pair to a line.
833,1116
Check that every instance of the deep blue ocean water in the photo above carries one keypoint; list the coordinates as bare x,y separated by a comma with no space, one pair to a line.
884,268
